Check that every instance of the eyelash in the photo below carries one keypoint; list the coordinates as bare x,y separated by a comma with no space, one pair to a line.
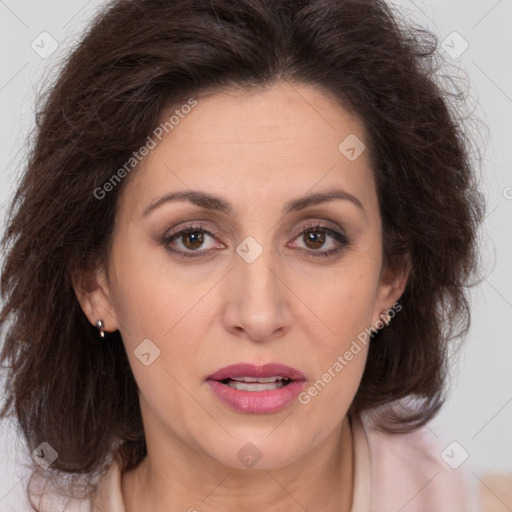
340,237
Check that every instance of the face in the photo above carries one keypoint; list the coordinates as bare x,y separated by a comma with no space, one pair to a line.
265,274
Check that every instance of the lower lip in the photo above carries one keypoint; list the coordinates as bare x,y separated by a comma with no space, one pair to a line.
257,402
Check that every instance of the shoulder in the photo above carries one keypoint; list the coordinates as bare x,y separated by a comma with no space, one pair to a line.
108,492
408,472
47,496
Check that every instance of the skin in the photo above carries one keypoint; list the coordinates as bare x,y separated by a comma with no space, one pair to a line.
257,150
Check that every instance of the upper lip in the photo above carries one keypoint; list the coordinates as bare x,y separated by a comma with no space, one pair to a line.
253,370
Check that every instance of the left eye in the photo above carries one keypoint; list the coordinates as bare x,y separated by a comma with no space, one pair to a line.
316,237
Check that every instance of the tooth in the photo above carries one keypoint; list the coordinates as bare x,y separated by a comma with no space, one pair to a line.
257,379
244,386
244,379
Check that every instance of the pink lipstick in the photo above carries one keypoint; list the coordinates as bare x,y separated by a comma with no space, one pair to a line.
254,389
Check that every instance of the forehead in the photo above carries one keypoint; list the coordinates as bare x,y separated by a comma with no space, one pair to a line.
261,147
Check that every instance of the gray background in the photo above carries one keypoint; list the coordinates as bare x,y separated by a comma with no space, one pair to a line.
478,414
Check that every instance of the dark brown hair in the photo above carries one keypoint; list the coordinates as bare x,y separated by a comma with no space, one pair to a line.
137,59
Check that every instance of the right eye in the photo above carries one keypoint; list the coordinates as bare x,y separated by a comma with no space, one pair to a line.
189,240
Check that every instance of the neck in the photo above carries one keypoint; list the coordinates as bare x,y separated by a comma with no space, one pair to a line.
320,480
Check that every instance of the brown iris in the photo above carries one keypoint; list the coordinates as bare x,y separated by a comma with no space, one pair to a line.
315,237
196,239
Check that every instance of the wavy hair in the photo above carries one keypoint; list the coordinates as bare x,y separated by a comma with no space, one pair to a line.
137,59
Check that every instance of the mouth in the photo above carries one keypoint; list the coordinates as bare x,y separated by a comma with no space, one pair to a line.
256,389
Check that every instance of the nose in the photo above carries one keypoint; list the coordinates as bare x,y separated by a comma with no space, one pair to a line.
257,297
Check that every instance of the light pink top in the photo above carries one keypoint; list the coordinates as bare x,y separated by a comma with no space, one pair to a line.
393,473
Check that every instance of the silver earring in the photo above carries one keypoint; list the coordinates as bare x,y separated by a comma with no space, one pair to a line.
385,318
100,325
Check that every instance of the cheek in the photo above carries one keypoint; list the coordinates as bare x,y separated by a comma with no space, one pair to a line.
341,302
150,301
161,320
345,307
171,313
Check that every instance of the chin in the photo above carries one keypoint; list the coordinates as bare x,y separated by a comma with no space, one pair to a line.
272,450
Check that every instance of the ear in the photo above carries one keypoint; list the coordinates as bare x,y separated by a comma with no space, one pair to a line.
391,287
92,289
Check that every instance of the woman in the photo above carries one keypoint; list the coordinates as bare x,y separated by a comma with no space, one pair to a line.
239,250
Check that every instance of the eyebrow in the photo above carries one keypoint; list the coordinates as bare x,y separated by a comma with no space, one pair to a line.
219,204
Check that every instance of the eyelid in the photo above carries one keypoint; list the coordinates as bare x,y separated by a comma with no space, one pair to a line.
320,225
198,225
